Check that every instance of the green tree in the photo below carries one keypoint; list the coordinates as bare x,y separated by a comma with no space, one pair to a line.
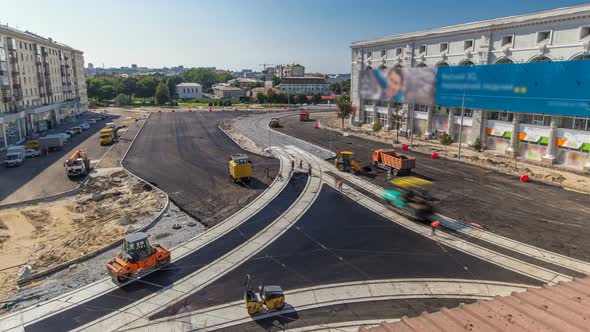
223,77
106,92
282,98
261,98
477,145
123,99
317,98
172,82
344,108
446,140
126,85
336,88
146,86
203,76
275,80
345,86
302,98
162,94
271,96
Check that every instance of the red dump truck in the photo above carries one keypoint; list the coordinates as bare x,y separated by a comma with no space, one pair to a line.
303,116
392,161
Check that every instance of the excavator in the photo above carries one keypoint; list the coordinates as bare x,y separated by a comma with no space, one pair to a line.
271,297
137,256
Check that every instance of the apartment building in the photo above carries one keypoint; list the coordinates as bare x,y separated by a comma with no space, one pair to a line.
561,34
307,85
42,83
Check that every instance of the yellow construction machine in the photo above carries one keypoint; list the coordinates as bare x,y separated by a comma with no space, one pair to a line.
240,167
271,297
345,162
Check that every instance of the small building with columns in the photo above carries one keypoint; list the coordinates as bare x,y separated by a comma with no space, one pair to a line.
561,34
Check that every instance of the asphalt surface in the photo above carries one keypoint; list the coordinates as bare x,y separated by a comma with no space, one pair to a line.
337,241
186,155
45,175
159,280
370,310
542,215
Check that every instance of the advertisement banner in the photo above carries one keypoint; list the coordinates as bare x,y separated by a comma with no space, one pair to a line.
399,84
561,88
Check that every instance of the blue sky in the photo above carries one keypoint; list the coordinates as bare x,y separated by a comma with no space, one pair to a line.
236,34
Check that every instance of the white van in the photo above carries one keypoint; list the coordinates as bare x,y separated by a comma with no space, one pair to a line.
15,156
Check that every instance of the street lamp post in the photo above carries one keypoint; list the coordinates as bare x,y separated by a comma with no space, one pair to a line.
461,125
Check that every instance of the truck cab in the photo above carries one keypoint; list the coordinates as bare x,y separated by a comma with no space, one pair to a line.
78,164
107,136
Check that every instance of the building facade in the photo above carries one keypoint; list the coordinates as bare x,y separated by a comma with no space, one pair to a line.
307,85
555,35
189,90
42,84
223,91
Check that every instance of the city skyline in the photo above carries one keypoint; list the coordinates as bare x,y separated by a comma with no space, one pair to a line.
320,34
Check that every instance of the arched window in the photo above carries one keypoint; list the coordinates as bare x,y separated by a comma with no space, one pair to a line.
442,64
398,66
421,65
540,58
382,67
504,61
466,63
582,57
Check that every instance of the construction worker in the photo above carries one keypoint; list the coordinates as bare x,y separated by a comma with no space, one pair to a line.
301,163
309,169
434,225
340,183
292,164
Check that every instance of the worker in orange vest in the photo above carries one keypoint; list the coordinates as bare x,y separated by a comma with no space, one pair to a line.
434,225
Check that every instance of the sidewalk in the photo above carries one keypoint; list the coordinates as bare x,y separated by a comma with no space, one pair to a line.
557,175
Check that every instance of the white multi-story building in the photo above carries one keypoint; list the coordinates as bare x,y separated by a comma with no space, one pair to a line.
189,90
554,35
307,85
42,83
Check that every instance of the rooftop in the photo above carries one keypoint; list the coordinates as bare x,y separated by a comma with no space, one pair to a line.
580,10
189,84
33,37
561,307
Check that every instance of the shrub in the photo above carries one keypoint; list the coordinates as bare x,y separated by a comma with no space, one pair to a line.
377,126
477,144
446,140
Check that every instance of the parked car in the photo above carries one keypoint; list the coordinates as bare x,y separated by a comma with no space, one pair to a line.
91,121
84,126
69,135
32,153
76,130
15,156
70,132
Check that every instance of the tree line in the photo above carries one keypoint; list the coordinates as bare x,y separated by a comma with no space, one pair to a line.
158,89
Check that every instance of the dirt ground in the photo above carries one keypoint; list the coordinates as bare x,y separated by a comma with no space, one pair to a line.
536,213
558,175
49,234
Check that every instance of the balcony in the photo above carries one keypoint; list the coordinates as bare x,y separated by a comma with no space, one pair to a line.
47,73
15,72
4,87
16,85
63,74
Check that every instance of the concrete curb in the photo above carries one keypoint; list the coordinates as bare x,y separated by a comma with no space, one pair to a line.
112,245
304,141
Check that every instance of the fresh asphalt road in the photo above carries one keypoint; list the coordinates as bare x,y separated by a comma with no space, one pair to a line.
46,176
118,298
542,215
186,155
337,241
370,310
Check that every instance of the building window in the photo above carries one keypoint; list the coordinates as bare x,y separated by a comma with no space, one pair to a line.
507,41
467,112
584,32
468,45
383,52
544,37
422,108
422,50
398,51
368,117
444,47
369,55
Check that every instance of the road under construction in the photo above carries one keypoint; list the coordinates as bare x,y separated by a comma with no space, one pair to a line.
339,253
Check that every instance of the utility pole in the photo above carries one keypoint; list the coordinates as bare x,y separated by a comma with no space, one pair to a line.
461,125
411,123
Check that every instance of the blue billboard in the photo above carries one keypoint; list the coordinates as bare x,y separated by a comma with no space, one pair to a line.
559,88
